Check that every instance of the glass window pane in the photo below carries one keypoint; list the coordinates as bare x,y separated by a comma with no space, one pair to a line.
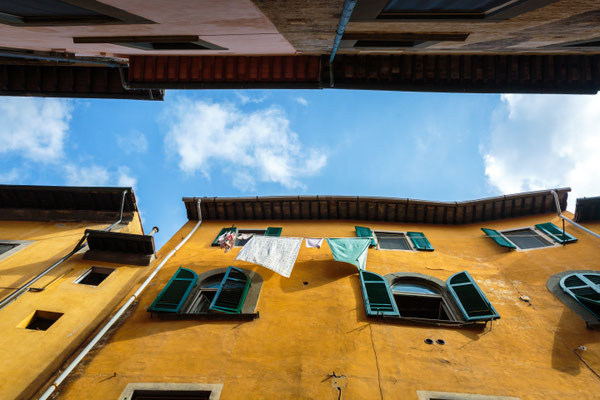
392,241
526,239
448,6
412,288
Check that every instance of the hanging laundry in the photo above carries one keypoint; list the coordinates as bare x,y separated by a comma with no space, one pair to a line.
314,242
275,253
350,250
227,240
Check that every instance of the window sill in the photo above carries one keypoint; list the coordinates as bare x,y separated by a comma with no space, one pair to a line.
429,322
206,317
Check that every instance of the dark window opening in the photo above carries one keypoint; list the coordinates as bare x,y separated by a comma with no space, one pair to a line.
429,9
205,295
387,43
170,395
42,320
594,43
427,307
526,239
392,241
152,42
244,235
94,276
4,247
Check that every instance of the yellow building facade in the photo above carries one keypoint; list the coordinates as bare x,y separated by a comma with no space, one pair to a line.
309,336
49,319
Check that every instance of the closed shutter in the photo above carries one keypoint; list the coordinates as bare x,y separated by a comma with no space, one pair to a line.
585,289
556,233
498,238
232,292
172,297
471,300
377,295
273,231
362,231
420,241
216,241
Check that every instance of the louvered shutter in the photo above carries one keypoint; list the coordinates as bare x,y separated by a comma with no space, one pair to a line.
498,238
420,241
273,231
585,289
377,295
472,302
172,297
362,231
556,233
216,241
232,292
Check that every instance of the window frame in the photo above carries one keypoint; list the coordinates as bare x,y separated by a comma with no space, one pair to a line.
130,41
434,395
20,245
447,302
89,271
535,230
369,11
243,231
214,388
406,237
116,16
423,40
553,284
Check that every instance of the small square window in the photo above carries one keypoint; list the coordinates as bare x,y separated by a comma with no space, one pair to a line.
392,241
94,276
170,395
4,247
40,320
526,238
243,235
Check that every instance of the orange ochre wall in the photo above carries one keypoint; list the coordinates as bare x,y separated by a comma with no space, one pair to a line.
306,332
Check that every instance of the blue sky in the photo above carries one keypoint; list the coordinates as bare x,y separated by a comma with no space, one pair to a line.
246,143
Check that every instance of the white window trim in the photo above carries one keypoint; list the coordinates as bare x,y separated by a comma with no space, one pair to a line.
410,243
88,271
214,388
21,244
427,395
538,232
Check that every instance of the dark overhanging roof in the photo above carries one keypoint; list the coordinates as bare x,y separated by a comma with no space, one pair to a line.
124,248
587,209
65,203
468,72
384,209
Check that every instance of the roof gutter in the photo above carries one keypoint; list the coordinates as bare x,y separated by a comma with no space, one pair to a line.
344,19
80,245
583,228
118,314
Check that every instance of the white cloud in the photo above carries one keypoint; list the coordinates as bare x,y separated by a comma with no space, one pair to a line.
9,176
124,177
251,147
92,175
133,142
545,141
302,101
34,128
245,99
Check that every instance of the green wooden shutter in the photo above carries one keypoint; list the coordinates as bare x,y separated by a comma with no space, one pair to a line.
585,289
498,238
172,297
377,295
420,241
273,231
216,241
362,231
472,302
556,233
232,292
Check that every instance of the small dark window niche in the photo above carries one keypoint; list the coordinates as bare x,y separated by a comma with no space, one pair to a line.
94,276
40,320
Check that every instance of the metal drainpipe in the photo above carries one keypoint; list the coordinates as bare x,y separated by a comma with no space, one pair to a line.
344,19
111,64
118,314
80,245
558,210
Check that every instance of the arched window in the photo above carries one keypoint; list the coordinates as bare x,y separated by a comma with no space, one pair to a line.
585,289
222,291
420,297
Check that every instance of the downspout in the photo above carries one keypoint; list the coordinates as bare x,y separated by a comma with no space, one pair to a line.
80,245
118,314
557,201
344,19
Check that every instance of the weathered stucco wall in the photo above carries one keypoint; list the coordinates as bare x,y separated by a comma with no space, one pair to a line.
28,356
307,331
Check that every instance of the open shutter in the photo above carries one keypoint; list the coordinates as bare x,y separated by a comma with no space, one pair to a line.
273,231
172,297
585,289
377,295
216,241
362,231
232,292
471,300
420,241
498,238
556,233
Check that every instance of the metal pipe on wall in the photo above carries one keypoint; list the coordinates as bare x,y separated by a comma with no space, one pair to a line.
341,28
118,314
558,209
